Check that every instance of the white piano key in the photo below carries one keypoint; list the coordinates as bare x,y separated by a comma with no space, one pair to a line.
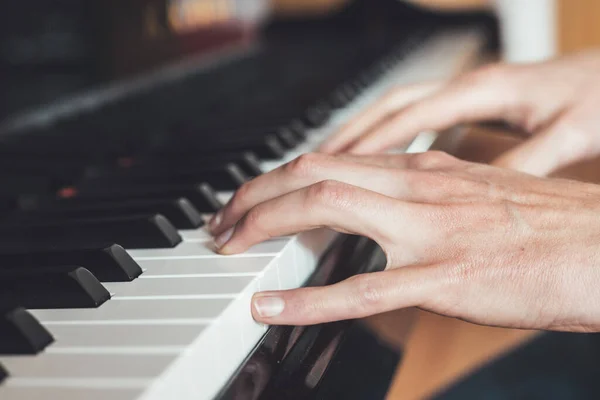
141,335
69,366
179,286
224,197
206,250
223,266
195,235
22,392
139,310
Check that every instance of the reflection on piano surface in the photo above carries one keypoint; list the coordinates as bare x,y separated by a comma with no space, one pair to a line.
123,126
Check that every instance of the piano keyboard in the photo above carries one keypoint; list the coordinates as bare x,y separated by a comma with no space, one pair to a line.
182,327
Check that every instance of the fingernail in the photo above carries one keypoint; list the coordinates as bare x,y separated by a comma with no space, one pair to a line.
223,238
215,221
268,306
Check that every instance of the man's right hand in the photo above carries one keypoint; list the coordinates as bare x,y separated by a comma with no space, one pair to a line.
555,102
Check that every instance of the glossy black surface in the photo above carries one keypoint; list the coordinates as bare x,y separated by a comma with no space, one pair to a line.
77,288
22,334
108,263
338,360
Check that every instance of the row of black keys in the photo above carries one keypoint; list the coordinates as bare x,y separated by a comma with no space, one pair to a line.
48,280
54,255
182,150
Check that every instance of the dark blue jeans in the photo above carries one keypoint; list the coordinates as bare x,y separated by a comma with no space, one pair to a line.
553,366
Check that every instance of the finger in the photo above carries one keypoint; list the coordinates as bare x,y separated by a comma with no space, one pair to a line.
385,175
331,204
389,104
307,170
357,297
559,145
473,98
398,161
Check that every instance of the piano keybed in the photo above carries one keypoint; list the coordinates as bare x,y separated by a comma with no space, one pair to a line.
103,241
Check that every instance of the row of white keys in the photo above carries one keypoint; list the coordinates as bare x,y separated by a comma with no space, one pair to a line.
183,327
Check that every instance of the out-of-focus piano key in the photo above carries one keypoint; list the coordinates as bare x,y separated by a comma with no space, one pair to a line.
224,177
195,235
202,196
21,333
251,266
266,148
287,138
123,336
108,263
317,116
247,161
76,289
3,374
136,232
101,366
180,212
181,287
191,311
23,392
206,250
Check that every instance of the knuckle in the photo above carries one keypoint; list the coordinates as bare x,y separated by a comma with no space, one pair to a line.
489,74
305,165
433,184
252,219
431,160
330,193
569,129
369,292
463,272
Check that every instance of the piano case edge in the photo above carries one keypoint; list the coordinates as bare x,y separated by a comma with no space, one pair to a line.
329,361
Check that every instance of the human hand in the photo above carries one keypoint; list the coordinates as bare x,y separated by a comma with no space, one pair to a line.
555,102
484,244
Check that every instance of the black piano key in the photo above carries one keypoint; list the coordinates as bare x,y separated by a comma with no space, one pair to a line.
22,334
76,289
317,116
225,177
287,138
202,196
181,213
248,162
298,128
3,374
338,99
266,148
285,135
108,263
135,232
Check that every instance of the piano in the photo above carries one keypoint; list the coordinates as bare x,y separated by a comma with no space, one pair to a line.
124,125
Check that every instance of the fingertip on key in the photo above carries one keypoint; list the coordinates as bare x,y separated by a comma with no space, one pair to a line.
267,305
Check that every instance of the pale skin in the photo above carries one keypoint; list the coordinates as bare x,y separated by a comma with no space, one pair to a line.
482,243
554,102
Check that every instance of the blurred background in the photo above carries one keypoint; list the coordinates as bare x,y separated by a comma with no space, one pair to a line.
575,20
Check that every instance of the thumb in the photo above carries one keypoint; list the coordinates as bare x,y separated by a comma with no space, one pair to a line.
357,297
557,146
